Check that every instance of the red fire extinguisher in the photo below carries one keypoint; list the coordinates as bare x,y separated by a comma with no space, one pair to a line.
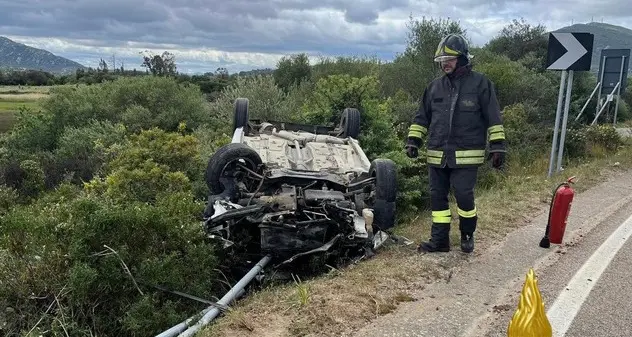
558,214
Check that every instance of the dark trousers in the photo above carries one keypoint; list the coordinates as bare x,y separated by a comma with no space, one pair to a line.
463,181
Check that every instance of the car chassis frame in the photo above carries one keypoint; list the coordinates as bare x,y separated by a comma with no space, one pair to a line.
291,190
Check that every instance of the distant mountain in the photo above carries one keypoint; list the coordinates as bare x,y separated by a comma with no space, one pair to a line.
14,55
606,36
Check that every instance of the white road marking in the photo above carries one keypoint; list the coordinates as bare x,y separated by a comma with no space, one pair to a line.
567,305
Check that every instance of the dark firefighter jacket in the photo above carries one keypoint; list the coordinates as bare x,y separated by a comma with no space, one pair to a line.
459,116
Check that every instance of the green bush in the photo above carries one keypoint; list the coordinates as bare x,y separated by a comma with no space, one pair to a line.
605,136
525,141
94,263
591,141
8,199
148,164
68,137
267,101
515,83
138,102
575,143
82,150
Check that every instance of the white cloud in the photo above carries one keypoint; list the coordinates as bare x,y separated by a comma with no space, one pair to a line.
245,34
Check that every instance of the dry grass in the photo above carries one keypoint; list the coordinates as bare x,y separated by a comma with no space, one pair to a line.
346,299
24,89
22,97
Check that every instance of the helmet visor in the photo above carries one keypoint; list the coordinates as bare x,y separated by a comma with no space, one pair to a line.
444,58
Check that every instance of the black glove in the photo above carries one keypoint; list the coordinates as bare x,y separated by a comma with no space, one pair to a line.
498,160
412,147
412,151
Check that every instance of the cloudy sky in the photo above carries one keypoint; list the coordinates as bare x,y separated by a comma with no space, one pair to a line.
248,34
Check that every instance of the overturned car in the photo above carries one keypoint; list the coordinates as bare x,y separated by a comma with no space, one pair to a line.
291,191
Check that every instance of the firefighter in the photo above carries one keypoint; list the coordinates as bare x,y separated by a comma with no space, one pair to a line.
460,116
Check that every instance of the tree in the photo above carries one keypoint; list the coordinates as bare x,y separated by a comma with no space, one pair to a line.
520,40
160,65
103,66
222,73
425,35
292,70
412,70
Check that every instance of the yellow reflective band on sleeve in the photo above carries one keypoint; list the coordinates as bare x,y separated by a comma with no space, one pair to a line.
434,157
415,134
417,127
496,132
470,157
466,214
444,216
417,131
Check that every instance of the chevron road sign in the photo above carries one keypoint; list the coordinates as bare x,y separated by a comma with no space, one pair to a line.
570,51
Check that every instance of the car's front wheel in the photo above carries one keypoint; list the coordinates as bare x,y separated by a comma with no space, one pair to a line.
385,194
228,163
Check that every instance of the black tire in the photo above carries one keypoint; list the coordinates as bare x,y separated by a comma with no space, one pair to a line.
384,206
226,155
240,114
385,173
350,123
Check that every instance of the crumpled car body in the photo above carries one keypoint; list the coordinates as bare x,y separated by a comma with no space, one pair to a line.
291,190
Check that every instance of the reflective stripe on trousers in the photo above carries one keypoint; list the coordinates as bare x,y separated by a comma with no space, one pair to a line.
463,157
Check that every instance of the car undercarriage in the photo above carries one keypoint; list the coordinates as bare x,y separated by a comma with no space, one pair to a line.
292,191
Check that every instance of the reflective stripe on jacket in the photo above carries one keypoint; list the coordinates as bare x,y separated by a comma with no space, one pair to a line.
459,116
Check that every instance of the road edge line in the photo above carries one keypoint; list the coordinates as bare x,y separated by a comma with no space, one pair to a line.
570,300
514,285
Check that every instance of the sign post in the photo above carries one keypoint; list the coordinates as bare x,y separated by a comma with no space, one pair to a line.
567,52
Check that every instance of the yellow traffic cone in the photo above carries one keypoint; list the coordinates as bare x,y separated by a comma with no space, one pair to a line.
530,319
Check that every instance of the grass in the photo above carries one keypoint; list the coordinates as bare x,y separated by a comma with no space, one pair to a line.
12,98
345,299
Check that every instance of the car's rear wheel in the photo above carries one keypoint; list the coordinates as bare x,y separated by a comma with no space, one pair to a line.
350,123
383,202
240,114
228,163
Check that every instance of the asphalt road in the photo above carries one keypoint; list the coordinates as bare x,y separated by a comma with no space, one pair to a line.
481,297
608,309
591,282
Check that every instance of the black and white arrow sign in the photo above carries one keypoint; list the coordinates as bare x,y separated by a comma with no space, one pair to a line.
570,51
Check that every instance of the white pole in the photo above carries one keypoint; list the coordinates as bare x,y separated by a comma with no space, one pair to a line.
558,112
566,109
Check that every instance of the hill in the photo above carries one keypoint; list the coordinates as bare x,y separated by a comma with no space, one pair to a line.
14,55
606,36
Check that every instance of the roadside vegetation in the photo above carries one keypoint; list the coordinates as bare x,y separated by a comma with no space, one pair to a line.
102,190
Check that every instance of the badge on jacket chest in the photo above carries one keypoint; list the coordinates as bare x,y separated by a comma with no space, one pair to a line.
468,103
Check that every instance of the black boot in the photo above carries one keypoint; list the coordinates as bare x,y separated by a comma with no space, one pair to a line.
467,242
440,239
431,247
